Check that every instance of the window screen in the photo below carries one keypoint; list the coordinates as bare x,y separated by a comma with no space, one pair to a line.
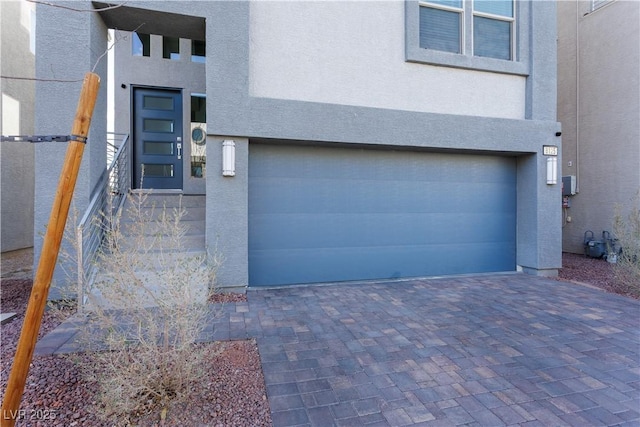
491,38
440,29
493,28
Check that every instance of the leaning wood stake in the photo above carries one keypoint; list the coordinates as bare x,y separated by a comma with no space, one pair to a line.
49,254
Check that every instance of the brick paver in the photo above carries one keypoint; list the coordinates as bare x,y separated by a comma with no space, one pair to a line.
481,350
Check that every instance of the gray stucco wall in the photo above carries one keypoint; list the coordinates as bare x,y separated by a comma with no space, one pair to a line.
62,61
227,213
17,159
233,113
294,55
236,113
599,106
156,71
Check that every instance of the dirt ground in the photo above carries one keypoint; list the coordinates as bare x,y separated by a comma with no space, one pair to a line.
17,264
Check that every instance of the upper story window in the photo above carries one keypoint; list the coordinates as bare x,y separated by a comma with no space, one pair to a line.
473,34
445,27
441,25
493,29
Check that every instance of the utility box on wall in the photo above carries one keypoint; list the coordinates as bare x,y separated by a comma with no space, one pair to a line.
569,185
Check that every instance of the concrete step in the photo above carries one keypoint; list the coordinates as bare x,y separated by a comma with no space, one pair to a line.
154,213
152,206
158,259
193,283
145,220
161,272
152,228
154,256
189,242
170,200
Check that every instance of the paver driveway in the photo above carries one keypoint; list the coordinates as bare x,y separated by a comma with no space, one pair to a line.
483,350
487,350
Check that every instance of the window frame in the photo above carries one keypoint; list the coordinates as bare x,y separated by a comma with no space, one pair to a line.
512,20
518,65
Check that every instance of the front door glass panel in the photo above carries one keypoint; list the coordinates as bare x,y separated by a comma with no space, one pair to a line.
155,171
155,125
158,102
162,148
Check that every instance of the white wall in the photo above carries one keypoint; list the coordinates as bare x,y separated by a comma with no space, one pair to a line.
17,106
353,53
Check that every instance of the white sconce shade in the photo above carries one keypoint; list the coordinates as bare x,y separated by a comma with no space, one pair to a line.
228,158
552,170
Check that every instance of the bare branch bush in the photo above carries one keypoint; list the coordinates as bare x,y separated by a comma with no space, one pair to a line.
65,304
627,230
145,312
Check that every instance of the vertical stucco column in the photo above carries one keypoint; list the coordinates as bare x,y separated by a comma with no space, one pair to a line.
539,229
539,241
227,223
68,44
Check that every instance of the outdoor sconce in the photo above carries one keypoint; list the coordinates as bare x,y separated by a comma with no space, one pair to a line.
552,170
228,158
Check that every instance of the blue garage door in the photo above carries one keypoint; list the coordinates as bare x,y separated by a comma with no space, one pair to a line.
319,214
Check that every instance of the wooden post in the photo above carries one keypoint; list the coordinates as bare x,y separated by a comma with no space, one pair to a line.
49,253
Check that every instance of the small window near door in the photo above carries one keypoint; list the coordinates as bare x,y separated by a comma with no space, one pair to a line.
141,44
198,135
171,48
198,51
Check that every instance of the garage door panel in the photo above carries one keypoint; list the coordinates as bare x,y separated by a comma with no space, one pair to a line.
321,214
358,196
329,163
318,265
351,230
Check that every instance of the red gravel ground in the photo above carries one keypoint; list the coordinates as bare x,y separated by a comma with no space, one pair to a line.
593,272
232,393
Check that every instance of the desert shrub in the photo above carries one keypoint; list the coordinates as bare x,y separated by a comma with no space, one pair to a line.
627,230
145,311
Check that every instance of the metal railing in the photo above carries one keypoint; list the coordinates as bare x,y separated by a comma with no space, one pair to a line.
108,197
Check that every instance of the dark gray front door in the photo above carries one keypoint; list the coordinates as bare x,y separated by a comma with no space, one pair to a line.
157,138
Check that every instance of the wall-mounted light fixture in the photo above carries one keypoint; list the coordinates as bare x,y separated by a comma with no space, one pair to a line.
228,158
552,170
